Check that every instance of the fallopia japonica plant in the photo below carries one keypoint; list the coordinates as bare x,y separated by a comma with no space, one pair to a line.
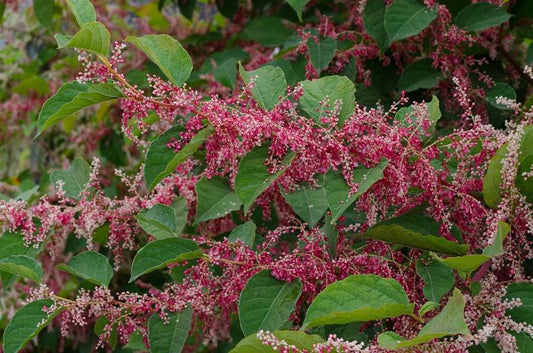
340,186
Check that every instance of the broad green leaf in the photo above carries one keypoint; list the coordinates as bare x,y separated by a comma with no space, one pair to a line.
169,337
321,53
466,264
493,178
266,303
416,232
298,6
328,90
450,321
299,339
92,37
91,266
438,279
404,116
500,90
406,18
374,22
44,12
253,176
26,324
483,15
226,72
167,53
215,199
338,192
71,98
162,221
245,233
331,233
419,74
75,178
269,85
427,307
13,244
22,266
162,252
161,161
99,327
269,31
496,248
358,298
83,11
524,292
310,204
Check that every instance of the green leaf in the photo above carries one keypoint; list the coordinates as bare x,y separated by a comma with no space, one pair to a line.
74,178
215,199
416,232
483,15
338,192
438,279
500,90
253,176
466,264
450,321
269,85
169,337
71,98
298,6
161,161
268,31
331,233
404,116
496,248
162,221
309,204
374,22
419,74
92,37
23,266
266,303
83,11
358,298
299,339
13,244
493,178
406,18
245,233
91,266
162,252
226,72
167,53
99,327
427,307
44,11
328,90
26,324
321,53
524,292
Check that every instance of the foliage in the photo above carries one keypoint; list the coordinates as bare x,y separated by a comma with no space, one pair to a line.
261,176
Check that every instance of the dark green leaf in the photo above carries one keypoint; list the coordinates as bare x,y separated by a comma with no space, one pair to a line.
374,21
417,232
438,279
500,90
160,253
22,266
269,85
406,18
482,15
298,6
215,199
358,298
71,98
310,204
169,337
161,161
74,179
167,53
44,11
26,324
253,176
91,266
524,292
266,303
245,233
267,30
163,221
321,53
419,74
299,339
